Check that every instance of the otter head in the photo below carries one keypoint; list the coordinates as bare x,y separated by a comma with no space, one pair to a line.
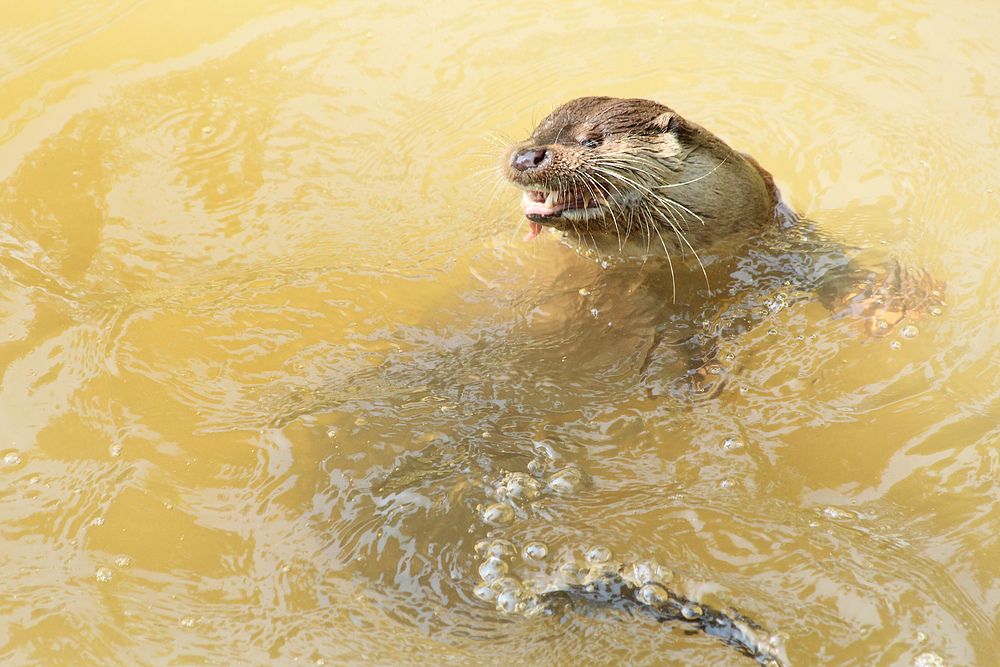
616,173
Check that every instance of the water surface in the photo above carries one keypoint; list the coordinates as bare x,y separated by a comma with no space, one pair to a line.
273,352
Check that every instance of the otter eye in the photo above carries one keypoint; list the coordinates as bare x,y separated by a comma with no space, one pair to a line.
590,143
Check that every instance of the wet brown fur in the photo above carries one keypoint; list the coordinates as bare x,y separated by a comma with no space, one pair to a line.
666,185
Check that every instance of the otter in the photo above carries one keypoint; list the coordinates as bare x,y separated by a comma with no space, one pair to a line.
632,177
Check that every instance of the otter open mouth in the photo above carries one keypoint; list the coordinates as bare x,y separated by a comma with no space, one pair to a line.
542,207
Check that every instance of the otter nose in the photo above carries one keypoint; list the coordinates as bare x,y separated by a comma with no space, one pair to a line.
529,158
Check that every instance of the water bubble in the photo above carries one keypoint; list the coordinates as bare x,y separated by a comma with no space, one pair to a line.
502,548
732,444
895,344
492,569
498,514
646,572
104,574
595,312
929,660
777,303
653,595
187,622
116,450
99,521
535,551
909,331
936,311
691,611
511,596
727,484
123,561
485,593
513,601
567,480
286,568
498,548
507,584
360,421
521,486
598,555
584,291
573,573
836,514
770,646
207,131
12,458
601,575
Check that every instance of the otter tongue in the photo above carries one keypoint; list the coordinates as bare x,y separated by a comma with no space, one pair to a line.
535,228
534,202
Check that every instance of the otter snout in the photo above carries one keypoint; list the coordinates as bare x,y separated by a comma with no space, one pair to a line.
527,159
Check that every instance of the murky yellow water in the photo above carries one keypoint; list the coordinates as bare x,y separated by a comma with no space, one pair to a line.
271,347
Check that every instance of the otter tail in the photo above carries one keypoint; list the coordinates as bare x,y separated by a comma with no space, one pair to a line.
625,587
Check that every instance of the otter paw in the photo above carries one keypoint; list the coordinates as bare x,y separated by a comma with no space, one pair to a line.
698,384
707,381
882,299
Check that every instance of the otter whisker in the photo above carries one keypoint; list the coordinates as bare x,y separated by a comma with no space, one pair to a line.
672,203
686,242
603,191
607,186
670,266
703,176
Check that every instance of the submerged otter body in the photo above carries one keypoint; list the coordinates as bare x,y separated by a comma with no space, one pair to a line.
631,175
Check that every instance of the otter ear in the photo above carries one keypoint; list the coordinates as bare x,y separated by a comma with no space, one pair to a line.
666,121
670,145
